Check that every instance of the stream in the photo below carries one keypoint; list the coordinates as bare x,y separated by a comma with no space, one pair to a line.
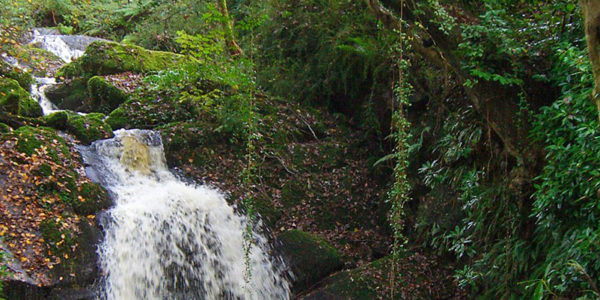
165,238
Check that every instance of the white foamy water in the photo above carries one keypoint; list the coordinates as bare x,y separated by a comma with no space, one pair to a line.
38,89
166,239
55,43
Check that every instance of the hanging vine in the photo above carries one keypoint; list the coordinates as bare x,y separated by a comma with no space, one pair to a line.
248,180
399,193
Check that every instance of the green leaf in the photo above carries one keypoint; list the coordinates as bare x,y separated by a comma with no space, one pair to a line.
539,291
385,158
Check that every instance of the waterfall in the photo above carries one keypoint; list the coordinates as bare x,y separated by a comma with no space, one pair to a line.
64,46
166,239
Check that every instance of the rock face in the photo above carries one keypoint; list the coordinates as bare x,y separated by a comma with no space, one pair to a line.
52,240
17,101
310,257
105,58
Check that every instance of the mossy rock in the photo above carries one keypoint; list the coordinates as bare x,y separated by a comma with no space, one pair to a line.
71,95
4,128
16,100
150,109
88,128
105,58
117,119
310,257
58,120
31,138
103,96
93,198
21,76
417,277
40,61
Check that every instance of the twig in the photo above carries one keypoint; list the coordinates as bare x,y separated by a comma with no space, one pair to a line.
282,164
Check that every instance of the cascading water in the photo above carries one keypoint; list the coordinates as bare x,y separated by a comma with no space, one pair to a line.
65,47
166,239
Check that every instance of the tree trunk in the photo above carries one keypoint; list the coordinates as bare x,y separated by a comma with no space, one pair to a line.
591,14
233,48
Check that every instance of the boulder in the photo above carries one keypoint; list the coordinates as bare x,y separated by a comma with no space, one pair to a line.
88,128
104,58
16,100
71,94
103,96
310,257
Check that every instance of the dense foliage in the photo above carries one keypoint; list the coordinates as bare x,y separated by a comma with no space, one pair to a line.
514,219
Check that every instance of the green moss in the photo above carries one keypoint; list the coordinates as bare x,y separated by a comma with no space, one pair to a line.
15,100
71,95
311,257
88,128
104,97
150,109
93,199
104,58
39,60
269,213
32,138
58,241
350,285
117,119
23,78
292,193
57,120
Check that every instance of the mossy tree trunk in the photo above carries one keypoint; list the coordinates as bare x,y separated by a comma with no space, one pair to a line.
591,14
233,48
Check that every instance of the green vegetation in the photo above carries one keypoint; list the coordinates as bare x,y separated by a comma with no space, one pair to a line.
15,100
104,96
478,118
23,78
311,257
104,58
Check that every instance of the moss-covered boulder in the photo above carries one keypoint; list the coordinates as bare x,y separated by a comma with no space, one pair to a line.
310,257
53,236
58,120
21,76
71,94
31,138
88,128
41,62
16,100
117,118
417,276
104,58
103,96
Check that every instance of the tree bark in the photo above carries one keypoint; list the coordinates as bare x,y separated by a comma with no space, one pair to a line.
233,48
591,14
